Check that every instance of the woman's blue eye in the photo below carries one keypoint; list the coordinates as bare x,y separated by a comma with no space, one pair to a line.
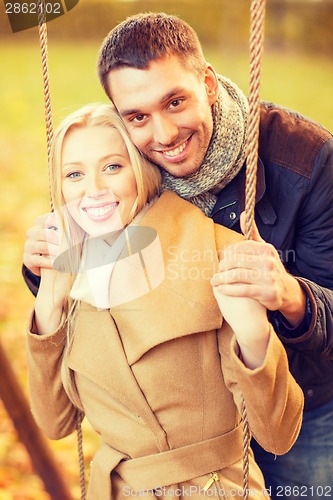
73,175
113,167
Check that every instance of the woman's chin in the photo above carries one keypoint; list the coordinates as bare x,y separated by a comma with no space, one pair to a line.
102,231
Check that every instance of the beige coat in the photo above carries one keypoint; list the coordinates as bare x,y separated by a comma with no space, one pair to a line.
159,376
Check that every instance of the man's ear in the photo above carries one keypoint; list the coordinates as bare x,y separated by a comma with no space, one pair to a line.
212,85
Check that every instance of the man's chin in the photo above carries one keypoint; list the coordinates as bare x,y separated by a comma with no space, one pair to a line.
180,171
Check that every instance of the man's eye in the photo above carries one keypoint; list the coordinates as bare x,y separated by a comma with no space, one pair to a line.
138,118
175,103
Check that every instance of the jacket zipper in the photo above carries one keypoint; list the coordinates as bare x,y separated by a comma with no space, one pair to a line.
215,479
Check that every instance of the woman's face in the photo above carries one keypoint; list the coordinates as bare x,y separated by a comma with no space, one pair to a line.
98,182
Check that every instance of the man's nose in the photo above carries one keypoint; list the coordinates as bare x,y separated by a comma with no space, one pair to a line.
165,130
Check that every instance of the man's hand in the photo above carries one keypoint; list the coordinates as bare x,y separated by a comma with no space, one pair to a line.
41,246
253,269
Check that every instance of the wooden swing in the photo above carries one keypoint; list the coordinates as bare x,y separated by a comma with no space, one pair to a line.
256,43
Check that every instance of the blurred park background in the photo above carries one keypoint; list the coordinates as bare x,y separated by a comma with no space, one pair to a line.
297,72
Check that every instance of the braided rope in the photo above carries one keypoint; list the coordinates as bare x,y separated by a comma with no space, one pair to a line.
46,83
256,49
49,136
80,455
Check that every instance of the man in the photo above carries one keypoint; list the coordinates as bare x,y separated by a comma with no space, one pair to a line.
193,124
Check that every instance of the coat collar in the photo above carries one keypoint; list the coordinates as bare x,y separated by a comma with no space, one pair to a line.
183,303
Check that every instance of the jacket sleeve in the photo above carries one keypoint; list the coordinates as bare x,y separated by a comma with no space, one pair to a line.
52,409
313,266
274,401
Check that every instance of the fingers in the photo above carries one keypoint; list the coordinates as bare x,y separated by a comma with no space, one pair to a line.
236,273
35,262
42,242
242,276
248,261
251,269
44,230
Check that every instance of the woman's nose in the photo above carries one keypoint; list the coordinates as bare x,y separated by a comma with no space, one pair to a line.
95,186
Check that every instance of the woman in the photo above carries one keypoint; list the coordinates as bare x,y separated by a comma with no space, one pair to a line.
135,338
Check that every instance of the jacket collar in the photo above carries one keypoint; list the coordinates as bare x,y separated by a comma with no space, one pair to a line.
231,201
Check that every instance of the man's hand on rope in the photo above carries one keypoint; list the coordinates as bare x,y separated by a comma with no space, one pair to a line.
253,269
42,244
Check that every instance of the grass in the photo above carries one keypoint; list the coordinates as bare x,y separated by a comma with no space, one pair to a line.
299,81
302,82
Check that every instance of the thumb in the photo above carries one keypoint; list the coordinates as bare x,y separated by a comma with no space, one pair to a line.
255,235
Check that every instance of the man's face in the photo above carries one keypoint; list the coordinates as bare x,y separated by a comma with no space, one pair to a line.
167,112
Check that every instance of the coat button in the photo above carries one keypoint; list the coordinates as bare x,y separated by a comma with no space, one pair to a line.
309,393
233,215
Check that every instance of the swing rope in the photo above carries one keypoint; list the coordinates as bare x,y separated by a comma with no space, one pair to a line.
49,136
256,49
46,82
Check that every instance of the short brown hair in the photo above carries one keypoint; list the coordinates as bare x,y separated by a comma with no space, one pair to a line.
145,37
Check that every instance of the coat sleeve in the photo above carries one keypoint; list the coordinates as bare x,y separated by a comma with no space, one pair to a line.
273,399
52,409
313,266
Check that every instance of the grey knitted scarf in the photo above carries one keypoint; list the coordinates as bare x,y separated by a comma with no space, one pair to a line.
225,154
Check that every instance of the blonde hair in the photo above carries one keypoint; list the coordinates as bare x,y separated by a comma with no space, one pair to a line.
148,181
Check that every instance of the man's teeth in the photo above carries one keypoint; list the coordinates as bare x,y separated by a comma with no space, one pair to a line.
100,211
176,151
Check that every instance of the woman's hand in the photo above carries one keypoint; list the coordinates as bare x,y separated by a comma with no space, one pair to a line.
245,278
50,300
41,246
46,237
248,319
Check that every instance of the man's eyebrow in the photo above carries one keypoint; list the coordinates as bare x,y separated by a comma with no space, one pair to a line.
135,111
128,112
172,93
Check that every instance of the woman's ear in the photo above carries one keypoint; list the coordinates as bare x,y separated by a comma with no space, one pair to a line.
212,85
